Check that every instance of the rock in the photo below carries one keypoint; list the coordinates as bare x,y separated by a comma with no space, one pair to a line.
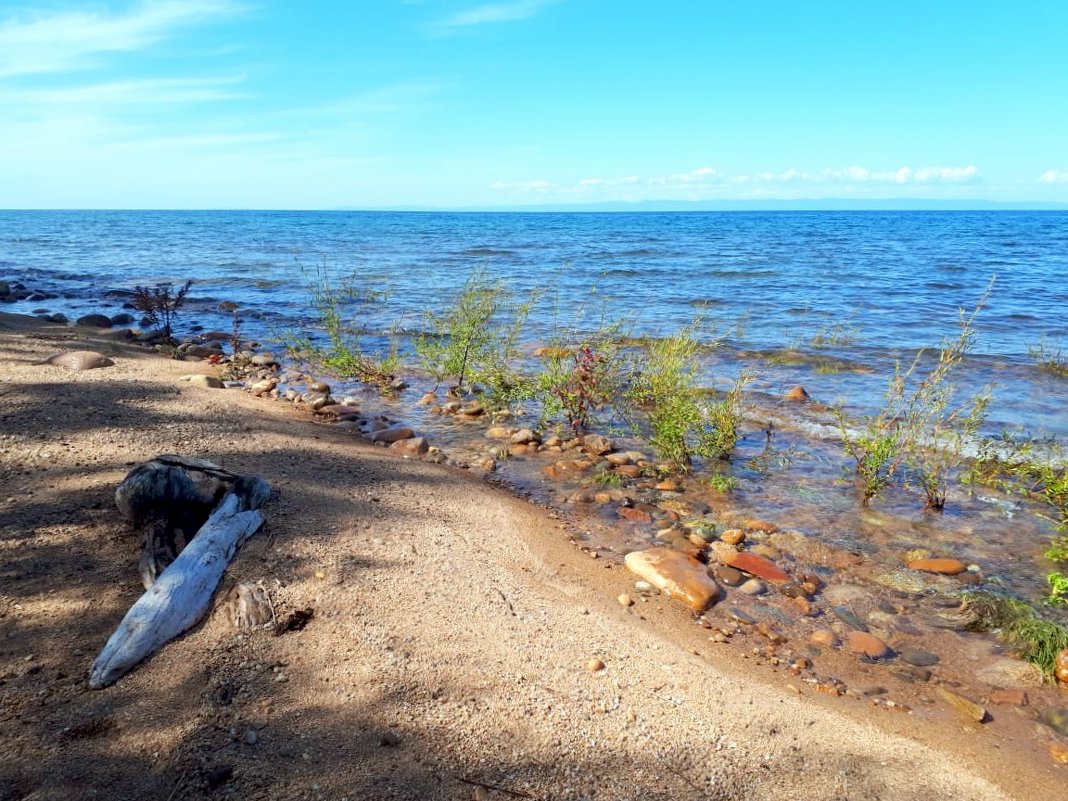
472,409
1006,673
1058,752
94,321
730,576
499,432
617,459
635,515
1013,697
264,360
264,386
247,606
1056,718
945,567
80,360
204,381
429,399
118,334
416,446
733,536
824,637
625,600
964,706
58,318
916,657
596,445
798,394
723,552
753,587
753,525
629,470
675,574
567,468
667,486
339,410
1060,667
393,434
869,645
317,401
595,666
523,436
757,566
319,386
846,616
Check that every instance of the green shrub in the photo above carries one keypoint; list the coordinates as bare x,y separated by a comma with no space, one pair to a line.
1018,624
1050,358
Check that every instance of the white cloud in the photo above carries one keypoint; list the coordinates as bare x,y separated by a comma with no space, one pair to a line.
36,42
952,174
902,175
164,91
700,175
1054,177
492,13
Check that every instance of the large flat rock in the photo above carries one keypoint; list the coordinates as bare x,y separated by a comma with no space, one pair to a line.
675,574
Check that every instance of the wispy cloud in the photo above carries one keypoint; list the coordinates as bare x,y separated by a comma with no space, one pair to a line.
490,13
35,42
1054,177
151,91
710,182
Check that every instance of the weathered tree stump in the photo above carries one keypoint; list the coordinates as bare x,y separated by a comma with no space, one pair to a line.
181,591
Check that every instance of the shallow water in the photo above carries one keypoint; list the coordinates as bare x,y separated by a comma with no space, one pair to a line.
827,300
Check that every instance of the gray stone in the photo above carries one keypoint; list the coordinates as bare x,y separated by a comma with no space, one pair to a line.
80,360
917,657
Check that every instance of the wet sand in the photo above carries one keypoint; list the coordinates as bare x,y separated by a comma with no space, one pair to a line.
450,644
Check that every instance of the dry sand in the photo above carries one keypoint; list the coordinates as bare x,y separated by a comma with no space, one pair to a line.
449,647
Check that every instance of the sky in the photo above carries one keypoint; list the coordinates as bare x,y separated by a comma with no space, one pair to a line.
384,104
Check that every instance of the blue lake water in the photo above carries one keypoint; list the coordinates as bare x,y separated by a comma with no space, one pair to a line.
766,282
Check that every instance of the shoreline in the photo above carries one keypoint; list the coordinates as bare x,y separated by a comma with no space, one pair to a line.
472,618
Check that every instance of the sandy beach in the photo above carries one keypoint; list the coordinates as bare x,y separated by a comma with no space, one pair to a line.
448,655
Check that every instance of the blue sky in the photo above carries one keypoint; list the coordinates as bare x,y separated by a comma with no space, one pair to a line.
454,103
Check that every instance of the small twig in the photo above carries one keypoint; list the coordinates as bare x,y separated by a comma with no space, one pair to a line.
177,784
509,603
495,788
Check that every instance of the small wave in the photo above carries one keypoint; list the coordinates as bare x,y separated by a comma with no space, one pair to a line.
488,252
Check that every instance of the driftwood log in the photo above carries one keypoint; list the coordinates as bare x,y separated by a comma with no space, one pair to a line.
182,591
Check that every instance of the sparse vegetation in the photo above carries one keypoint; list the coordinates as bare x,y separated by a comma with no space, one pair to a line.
1018,624
160,305
917,417
1058,588
1049,358
722,482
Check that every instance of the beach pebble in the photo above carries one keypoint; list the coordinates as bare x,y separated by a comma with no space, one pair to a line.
595,665
596,445
753,587
914,656
757,566
733,536
625,600
414,446
204,381
80,360
393,434
869,645
945,567
675,574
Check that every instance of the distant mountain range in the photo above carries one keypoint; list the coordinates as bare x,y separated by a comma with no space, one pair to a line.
831,204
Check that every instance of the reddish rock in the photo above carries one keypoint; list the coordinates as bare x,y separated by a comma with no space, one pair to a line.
635,515
629,470
1058,753
862,642
947,567
675,574
567,467
798,393
1060,668
757,566
1009,697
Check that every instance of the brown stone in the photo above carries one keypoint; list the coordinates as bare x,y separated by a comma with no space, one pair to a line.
676,575
339,410
1060,667
635,515
862,642
733,536
946,567
1014,697
964,706
798,393
429,399
629,470
757,566
597,445
414,446
80,360
1058,753
394,434
824,637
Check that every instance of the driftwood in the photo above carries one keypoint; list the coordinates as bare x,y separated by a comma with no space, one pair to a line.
182,592
167,500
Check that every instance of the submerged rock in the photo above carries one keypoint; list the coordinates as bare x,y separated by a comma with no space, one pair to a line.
869,645
394,434
94,321
798,393
945,567
757,566
675,574
964,706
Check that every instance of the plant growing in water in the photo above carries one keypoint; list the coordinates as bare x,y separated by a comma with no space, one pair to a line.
1050,358
476,339
683,422
1015,622
1058,588
917,416
160,304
